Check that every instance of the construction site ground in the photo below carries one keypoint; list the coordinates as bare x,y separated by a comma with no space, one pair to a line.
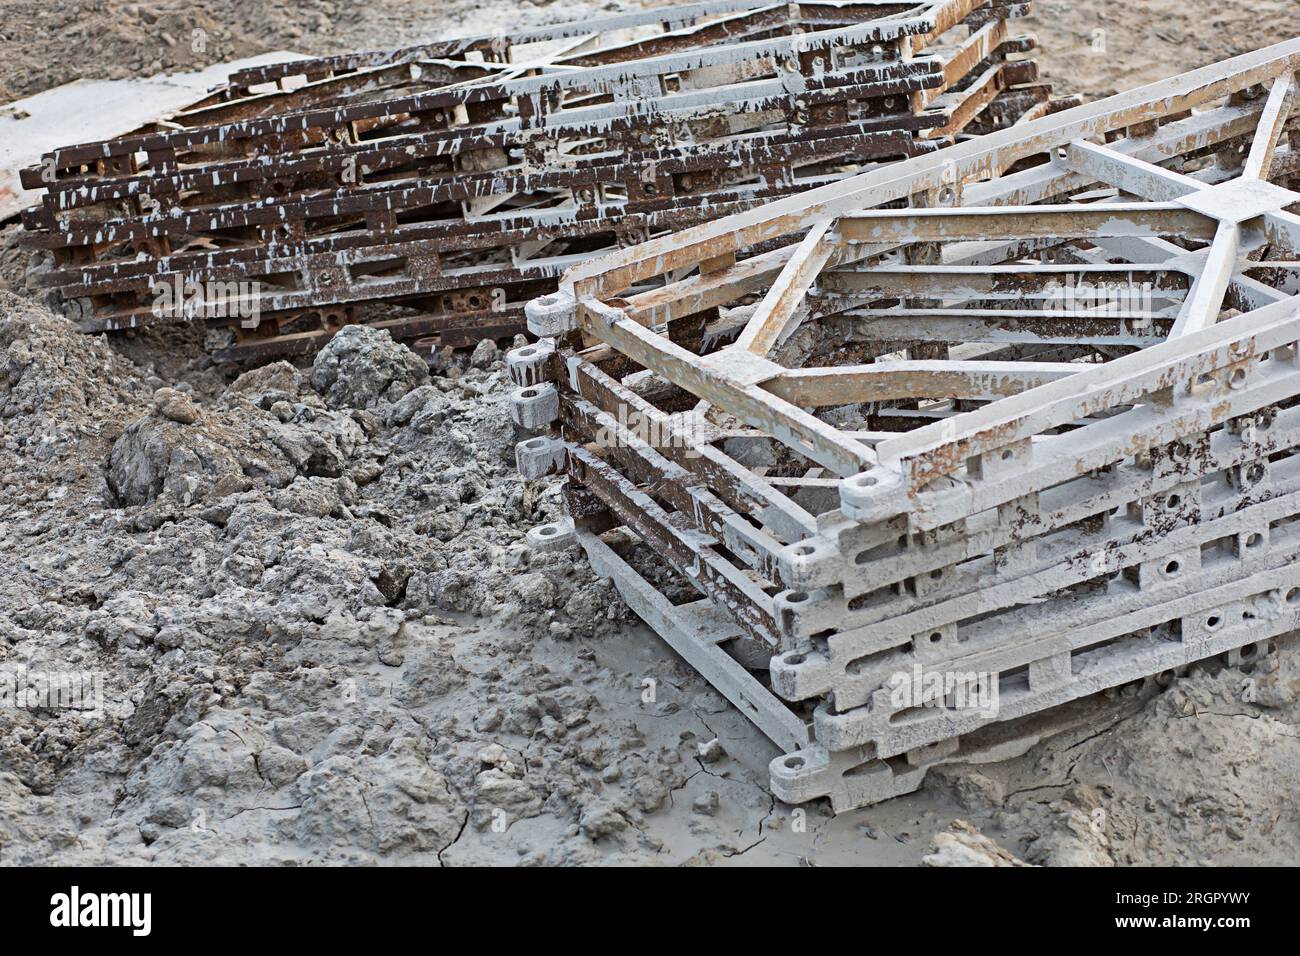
325,640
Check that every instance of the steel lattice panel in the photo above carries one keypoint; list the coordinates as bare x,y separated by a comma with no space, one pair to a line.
434,190
877,429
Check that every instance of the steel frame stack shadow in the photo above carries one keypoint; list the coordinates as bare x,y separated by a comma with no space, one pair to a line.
947,451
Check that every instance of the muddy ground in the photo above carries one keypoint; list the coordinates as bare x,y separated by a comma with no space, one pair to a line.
324,639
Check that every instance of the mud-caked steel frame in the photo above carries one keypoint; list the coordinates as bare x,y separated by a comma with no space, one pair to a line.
455,183
1068,500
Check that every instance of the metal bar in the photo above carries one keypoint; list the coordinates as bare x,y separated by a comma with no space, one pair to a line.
775,315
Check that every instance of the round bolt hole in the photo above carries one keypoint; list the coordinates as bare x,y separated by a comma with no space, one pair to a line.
794,763
1213,621
1173,501
804,550
794,660
534,443
1172,567
796,597
528,393
547,530
936,637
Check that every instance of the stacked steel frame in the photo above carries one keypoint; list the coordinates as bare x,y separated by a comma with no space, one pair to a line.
434,190
1025,409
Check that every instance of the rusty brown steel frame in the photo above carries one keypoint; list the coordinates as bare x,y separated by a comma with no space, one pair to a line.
989,413
434,190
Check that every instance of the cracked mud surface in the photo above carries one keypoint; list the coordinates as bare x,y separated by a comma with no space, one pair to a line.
323,639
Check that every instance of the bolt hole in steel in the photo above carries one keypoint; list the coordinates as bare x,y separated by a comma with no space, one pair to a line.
796,597
1213,622
794,763
804,550
794,660
528,393
1172,568
548,530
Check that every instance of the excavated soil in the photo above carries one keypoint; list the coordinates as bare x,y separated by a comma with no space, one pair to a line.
322,638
